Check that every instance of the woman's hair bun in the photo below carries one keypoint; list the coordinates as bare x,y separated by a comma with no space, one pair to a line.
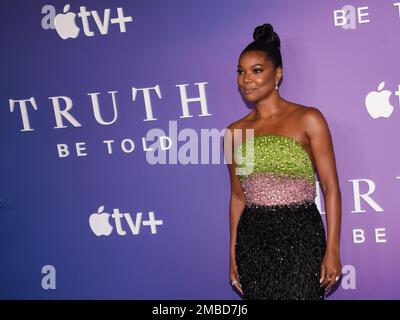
266,33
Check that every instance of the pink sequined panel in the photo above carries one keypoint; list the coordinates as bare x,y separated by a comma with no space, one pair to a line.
277,189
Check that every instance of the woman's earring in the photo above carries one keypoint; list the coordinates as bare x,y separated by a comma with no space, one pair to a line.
276,86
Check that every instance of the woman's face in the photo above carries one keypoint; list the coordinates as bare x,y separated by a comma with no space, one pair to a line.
256,76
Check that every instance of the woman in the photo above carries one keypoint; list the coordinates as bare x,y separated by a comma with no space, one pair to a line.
278,245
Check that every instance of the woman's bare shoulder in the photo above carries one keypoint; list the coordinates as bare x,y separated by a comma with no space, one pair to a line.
242,122
312,113
311,119
304,112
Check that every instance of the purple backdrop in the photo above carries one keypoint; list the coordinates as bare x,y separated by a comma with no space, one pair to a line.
333,57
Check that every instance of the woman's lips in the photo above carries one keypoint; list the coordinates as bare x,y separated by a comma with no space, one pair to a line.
247,91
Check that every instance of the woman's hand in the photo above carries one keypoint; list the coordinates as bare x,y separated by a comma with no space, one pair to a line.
331,269
234,277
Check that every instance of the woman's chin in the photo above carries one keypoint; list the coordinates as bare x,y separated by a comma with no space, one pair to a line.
250,98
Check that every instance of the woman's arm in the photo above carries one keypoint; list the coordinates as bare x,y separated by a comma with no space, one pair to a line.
236,204
322,149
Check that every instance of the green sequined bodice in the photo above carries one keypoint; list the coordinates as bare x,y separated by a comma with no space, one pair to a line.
278,154
278,170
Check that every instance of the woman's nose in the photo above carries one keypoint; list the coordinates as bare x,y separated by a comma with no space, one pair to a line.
247,77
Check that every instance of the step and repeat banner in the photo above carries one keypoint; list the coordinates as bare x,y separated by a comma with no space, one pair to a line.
113,183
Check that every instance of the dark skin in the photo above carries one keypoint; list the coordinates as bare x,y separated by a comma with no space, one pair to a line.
275,115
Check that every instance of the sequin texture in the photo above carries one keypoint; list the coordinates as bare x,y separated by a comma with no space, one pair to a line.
290,171
277,189
280,235
279,251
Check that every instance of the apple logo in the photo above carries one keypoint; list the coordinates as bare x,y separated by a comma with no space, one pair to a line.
65,24
99,223
378,104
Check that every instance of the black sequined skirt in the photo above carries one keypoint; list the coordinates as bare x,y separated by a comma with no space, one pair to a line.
279,251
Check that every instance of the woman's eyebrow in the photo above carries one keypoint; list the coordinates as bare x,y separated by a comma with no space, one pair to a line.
257,64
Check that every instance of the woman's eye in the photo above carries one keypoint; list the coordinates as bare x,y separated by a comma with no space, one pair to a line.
257,70
239,71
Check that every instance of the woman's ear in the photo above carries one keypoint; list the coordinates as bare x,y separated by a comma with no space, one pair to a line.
279,73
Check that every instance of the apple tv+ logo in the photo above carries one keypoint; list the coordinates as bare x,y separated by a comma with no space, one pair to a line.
66,27
378,104
100,222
